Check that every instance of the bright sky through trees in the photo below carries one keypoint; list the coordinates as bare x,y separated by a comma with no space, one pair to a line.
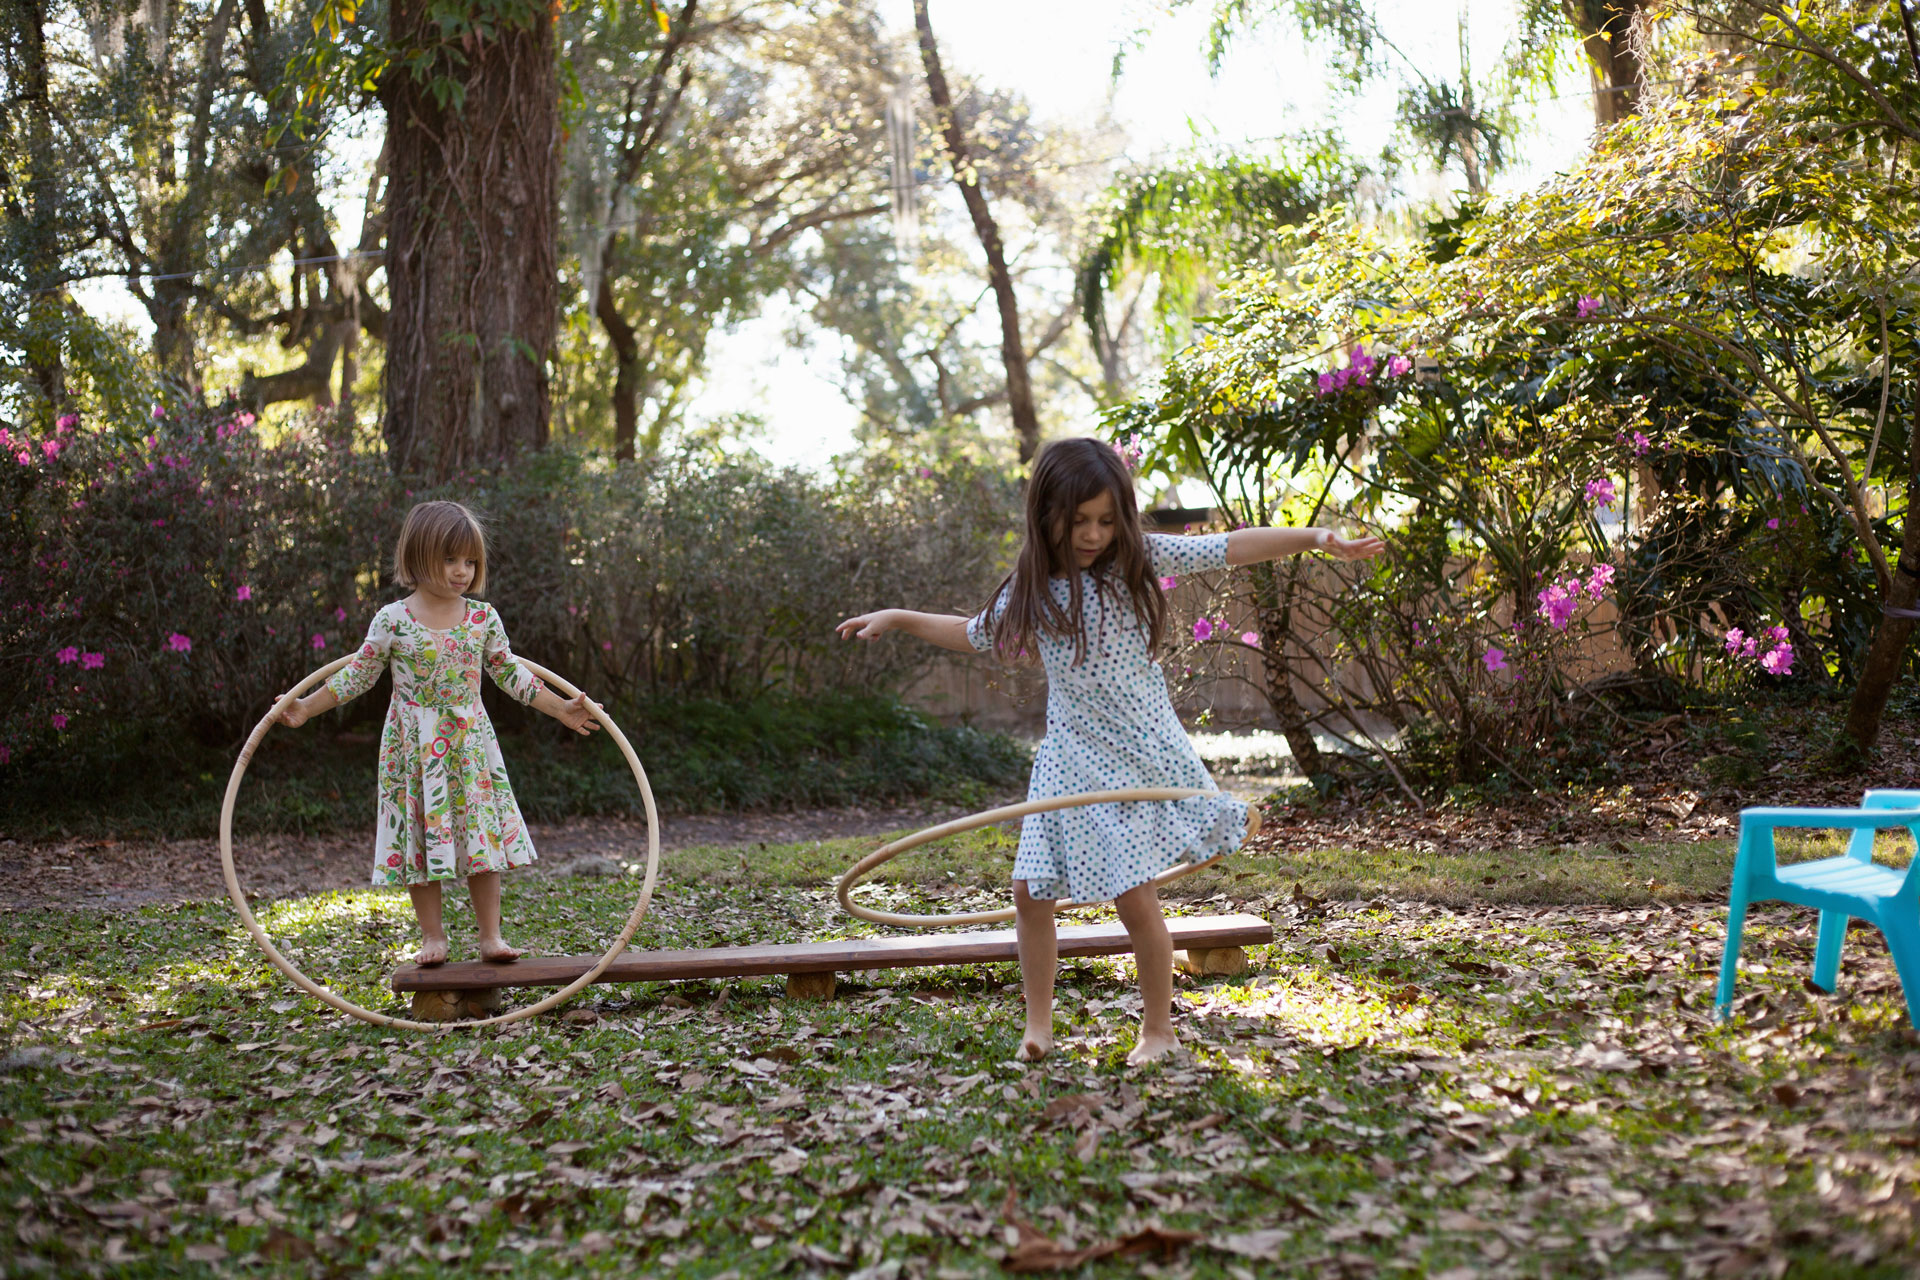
1059,54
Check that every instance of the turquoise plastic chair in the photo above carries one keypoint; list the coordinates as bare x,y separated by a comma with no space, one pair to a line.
1852,884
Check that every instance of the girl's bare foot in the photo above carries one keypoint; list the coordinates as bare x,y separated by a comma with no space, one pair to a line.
497,951
432,952
1153,1047
1034,1046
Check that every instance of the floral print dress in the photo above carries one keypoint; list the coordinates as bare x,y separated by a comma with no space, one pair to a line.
1110,725
446,809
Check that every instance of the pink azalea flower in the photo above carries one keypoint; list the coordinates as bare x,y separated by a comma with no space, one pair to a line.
1398,366
50,447
1203,629
1557,603
24,458
179,643
1251,638
1600,579
926,473
1496,660
1734,636
59,720
92,661
243,593
1750,648
606,644
67,421
1325,385
158,413
1586,307
1779,662
1169,582
319,641
1601,492
339,614
1774,523
1777,634
1640,443
69,654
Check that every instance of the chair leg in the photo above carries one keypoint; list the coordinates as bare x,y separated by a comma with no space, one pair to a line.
1903,940
1730,958
1826,950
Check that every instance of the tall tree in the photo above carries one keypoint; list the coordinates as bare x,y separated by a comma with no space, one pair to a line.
473,131
706,152
1013,354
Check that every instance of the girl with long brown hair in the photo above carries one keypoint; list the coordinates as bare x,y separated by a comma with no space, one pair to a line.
1085,598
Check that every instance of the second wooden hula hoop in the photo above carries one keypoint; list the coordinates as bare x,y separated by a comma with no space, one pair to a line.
340,1002
887,852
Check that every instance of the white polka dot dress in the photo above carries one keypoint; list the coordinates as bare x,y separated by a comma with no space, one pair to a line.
1111,724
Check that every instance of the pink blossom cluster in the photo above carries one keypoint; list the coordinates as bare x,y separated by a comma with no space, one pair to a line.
87,661
1131,450
1586,307
1205,629
1361,370
1601,492
1558,601
1770,649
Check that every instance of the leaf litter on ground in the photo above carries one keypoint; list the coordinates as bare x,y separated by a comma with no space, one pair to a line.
1399,1085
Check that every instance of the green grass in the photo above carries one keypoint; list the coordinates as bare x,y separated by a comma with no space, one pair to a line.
1399,1086
777,753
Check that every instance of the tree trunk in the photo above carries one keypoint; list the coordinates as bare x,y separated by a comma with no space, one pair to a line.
1607,34
40,253
626,356
1273,607
1887,655
1026,424
472,198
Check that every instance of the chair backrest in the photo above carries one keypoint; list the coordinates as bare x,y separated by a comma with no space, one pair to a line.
1861,846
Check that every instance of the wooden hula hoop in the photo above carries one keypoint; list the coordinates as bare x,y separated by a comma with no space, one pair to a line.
346,1006
887,852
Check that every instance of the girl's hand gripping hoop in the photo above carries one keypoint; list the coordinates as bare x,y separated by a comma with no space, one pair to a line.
346,1006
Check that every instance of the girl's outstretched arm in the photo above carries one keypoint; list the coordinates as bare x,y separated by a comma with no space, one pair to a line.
948,630
1251,546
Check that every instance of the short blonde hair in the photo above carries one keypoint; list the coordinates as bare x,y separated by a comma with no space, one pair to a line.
432,532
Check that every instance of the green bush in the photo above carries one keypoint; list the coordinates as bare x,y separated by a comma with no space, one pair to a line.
774,753
160,583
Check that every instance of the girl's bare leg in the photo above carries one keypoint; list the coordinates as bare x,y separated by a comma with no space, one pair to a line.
1153,957
485,890
433,931
1039,957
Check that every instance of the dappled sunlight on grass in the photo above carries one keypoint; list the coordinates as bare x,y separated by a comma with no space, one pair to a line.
1395,1082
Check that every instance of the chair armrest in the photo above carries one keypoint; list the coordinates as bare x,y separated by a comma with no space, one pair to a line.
1831,819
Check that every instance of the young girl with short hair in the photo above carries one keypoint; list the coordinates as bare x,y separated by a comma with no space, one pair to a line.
446,810
1085,595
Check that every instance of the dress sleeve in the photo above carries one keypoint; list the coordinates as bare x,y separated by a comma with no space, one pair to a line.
979,627
358,676
1175,553
519,683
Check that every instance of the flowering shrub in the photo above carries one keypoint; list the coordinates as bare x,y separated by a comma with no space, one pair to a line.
169,579
1770,651
177,579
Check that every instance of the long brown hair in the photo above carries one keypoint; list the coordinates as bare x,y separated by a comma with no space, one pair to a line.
1068,473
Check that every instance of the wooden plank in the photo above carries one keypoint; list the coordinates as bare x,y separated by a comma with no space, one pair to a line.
840,955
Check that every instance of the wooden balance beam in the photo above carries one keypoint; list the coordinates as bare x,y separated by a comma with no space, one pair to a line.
471,988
